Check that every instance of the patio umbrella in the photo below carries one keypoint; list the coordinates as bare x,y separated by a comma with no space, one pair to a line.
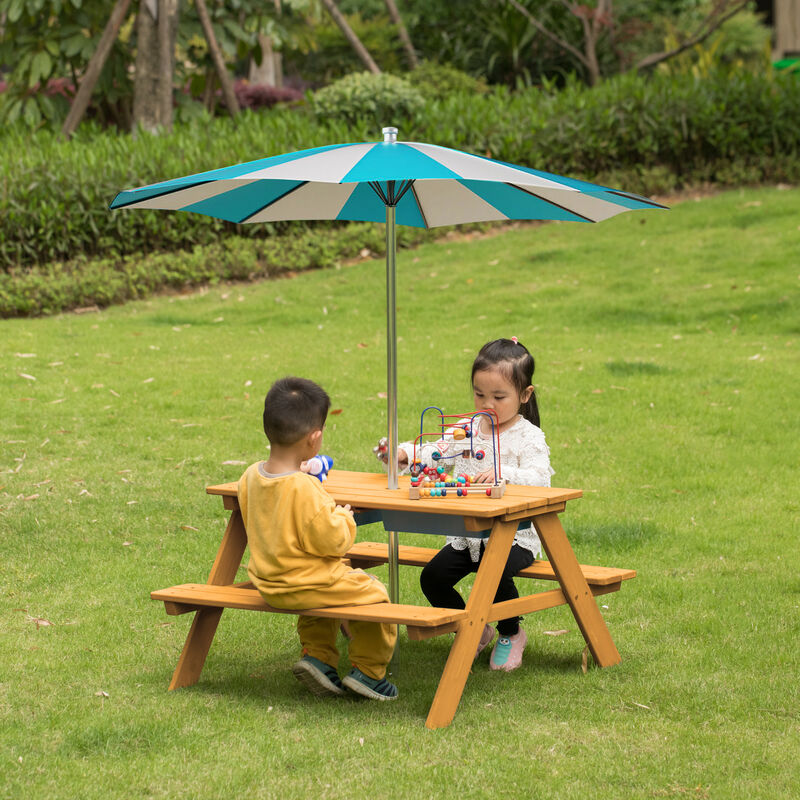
406,183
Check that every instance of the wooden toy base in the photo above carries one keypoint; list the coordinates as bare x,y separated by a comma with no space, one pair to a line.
475,489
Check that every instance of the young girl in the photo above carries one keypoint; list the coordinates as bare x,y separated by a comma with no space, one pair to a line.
501,382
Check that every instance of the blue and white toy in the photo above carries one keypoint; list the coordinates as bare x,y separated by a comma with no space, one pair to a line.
319,466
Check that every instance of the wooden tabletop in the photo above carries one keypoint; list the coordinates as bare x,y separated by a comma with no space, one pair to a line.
368,490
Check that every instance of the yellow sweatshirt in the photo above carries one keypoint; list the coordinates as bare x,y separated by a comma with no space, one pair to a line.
296,533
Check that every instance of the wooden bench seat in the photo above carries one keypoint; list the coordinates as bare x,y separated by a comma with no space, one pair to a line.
422,621
601,579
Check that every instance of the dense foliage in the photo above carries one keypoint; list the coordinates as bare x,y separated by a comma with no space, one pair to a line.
368,97
640,135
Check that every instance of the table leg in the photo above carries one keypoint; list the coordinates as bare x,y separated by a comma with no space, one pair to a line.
204,625
462,653
576,590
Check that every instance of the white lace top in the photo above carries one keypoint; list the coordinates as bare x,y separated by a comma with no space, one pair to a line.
524,459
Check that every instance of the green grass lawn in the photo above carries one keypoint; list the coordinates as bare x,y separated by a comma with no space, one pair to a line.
668,359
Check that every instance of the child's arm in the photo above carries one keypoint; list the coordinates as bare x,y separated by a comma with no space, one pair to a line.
330,532
532,467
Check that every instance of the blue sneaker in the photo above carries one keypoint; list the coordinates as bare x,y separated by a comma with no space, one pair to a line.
507,653
374,688
320,678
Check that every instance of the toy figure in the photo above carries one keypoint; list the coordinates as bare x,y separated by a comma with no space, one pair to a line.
319,466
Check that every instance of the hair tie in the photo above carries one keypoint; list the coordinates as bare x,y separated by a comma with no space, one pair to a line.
515,340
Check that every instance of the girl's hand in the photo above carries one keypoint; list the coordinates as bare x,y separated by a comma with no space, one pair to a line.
487,476
346,508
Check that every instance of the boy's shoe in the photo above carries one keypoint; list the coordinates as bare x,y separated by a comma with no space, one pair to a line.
374,688
320,678
486,639
507,653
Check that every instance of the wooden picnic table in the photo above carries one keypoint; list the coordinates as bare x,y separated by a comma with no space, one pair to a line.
496,519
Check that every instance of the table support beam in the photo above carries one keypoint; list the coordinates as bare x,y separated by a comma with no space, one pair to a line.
576,590
204,624
462,653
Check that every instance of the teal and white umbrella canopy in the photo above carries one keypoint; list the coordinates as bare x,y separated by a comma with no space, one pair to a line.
406,183
428,185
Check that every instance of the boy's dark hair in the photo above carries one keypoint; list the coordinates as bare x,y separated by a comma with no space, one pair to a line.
292,408
517,364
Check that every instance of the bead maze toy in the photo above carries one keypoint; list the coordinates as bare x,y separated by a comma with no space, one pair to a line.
453,439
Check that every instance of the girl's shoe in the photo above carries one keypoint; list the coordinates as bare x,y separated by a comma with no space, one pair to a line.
374,688
320,678
507,653
486,639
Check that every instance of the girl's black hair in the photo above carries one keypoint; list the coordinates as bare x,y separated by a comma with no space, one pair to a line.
517,364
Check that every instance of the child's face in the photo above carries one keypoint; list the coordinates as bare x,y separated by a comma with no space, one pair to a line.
492,391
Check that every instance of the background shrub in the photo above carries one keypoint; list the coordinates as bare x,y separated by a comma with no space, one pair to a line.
364,96
632,133
437,81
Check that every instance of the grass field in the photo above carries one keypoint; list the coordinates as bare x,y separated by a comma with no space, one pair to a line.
668,359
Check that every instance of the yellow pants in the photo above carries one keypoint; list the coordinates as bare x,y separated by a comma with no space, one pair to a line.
372,644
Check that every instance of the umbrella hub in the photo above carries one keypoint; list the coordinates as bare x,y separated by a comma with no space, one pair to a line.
391,192
389,135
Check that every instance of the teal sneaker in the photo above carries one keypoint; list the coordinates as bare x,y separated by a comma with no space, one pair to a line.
374,688
507,653
318,677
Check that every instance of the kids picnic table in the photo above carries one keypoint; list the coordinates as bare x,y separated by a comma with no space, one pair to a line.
496,519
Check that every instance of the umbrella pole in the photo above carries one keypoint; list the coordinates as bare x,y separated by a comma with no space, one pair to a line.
391,388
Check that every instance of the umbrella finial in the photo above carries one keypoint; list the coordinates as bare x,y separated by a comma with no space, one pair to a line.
389,135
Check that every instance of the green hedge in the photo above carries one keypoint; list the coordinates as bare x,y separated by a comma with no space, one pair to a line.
88,282
645,135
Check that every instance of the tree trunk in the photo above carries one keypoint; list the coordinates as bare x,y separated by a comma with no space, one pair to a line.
402,31
94,68
269,71
167,24
216,56
787,28
155,65
355,42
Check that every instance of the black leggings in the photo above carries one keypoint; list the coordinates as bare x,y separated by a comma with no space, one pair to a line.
449,566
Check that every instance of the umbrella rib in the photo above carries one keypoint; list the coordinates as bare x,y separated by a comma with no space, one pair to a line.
419,207
637,197
551,202
161,194
378,189
403,190
273,201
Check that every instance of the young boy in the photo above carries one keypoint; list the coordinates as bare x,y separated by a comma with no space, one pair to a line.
297,536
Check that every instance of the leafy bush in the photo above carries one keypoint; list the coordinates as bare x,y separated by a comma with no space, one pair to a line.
437,81
256,95
382,99
632,133
326,55
82,282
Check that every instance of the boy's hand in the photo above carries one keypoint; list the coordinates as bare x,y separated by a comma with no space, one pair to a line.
346,508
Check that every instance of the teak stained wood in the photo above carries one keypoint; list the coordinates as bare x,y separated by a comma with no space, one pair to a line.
378,553
203,594
368,493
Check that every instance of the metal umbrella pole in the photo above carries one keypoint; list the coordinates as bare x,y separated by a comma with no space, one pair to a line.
394,191
391,389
